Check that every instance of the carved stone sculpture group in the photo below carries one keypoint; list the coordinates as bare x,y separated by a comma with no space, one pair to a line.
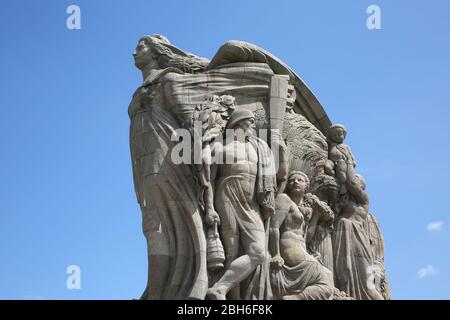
247,190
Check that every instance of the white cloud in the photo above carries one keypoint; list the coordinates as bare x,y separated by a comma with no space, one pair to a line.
435,226
429,270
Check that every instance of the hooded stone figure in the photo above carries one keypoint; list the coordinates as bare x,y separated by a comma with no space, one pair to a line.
358,266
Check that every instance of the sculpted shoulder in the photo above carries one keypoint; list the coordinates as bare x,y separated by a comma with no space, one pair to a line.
282,201
171,75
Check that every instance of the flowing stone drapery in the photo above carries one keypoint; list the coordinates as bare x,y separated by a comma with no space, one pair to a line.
175,84
171,216
354,261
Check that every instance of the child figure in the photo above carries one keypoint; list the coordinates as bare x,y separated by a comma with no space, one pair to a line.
342,157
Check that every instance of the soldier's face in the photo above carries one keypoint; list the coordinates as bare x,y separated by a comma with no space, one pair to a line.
142,55
297,182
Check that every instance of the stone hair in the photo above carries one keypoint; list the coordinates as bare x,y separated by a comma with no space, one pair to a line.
167,55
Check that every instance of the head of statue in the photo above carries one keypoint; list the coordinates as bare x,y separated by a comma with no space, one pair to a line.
297,182
241,119
337,133
156,52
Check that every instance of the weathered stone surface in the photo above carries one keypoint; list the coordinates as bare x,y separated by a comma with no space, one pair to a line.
212,146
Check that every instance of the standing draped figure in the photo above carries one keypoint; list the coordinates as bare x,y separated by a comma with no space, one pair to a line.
171,217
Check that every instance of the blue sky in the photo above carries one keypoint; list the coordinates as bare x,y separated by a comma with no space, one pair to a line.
66,188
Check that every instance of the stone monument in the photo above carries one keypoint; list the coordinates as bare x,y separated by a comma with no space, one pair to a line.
247,191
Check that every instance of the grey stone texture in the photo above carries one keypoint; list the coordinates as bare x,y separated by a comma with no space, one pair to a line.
266,202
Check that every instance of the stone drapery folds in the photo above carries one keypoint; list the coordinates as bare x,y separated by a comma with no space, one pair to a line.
228,229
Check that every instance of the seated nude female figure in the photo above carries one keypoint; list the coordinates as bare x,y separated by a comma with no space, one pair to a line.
295,274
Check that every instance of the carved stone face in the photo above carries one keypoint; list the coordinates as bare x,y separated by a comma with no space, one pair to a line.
142,55
338,135
297,183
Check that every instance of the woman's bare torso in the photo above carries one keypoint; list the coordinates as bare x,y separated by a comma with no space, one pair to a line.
292,240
